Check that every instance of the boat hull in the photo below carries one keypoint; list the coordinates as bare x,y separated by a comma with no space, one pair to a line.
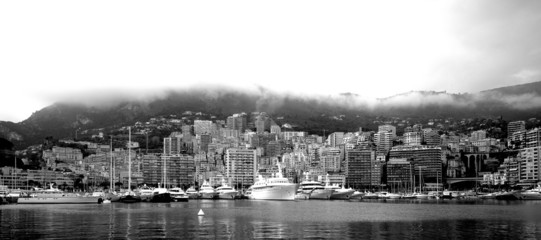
130,199
528,195
321,194
208,195
280,192
179,198
507,196
302,196
193,195
60,200
394,196
341,195
370,196
162,197
227,195
145,197
112,197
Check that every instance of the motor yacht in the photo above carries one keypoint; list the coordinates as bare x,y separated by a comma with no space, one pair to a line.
207,192
357,195
160,194
178,195
145,193
337,191
313,190
388,195
192,193
226,192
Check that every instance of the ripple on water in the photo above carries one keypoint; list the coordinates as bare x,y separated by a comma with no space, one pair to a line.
272,219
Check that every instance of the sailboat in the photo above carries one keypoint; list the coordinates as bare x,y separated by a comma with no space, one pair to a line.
111,196
160,194
420,194
129,196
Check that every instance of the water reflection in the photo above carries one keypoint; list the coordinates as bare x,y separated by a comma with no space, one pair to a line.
273,219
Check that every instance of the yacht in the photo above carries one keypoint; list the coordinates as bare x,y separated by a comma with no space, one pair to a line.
160,194
57,196
226,192
13,196
531,194
357,195
129,196
246,194
509,195
421,195
337,191
112,196
192,193
178,195
314,190
489,195
409,196
274,188
370,195
145,193
207,192
394,196
388,195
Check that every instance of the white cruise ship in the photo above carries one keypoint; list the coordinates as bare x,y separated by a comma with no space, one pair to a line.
273,188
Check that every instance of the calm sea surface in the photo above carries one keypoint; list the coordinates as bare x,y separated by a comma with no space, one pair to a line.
245,219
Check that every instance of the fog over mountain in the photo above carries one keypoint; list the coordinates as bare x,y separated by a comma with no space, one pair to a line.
109,109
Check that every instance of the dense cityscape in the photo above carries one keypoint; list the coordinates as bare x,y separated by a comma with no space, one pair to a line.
399,156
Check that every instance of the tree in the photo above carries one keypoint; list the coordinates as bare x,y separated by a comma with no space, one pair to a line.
5,144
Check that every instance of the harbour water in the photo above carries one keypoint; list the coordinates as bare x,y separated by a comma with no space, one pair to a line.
245,219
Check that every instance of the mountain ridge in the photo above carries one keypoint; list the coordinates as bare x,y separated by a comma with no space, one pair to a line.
311,113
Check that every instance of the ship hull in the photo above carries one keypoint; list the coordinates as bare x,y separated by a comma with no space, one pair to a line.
280,192
356,196
321,194
209,195
527,196
179,198
341,195
162,197
130,199
60,200
193,195
227,195
507,196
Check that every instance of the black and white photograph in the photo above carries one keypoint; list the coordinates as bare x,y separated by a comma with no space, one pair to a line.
298,119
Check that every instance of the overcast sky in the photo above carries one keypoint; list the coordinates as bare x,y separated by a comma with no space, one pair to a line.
53,49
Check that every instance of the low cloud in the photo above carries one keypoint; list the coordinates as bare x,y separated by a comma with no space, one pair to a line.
269,101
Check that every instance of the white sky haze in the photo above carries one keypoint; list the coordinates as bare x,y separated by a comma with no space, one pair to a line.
373,48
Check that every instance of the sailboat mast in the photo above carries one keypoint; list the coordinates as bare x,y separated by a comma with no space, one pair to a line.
129,159
15,170
420,180
164,172
437,183
111,166
411,179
